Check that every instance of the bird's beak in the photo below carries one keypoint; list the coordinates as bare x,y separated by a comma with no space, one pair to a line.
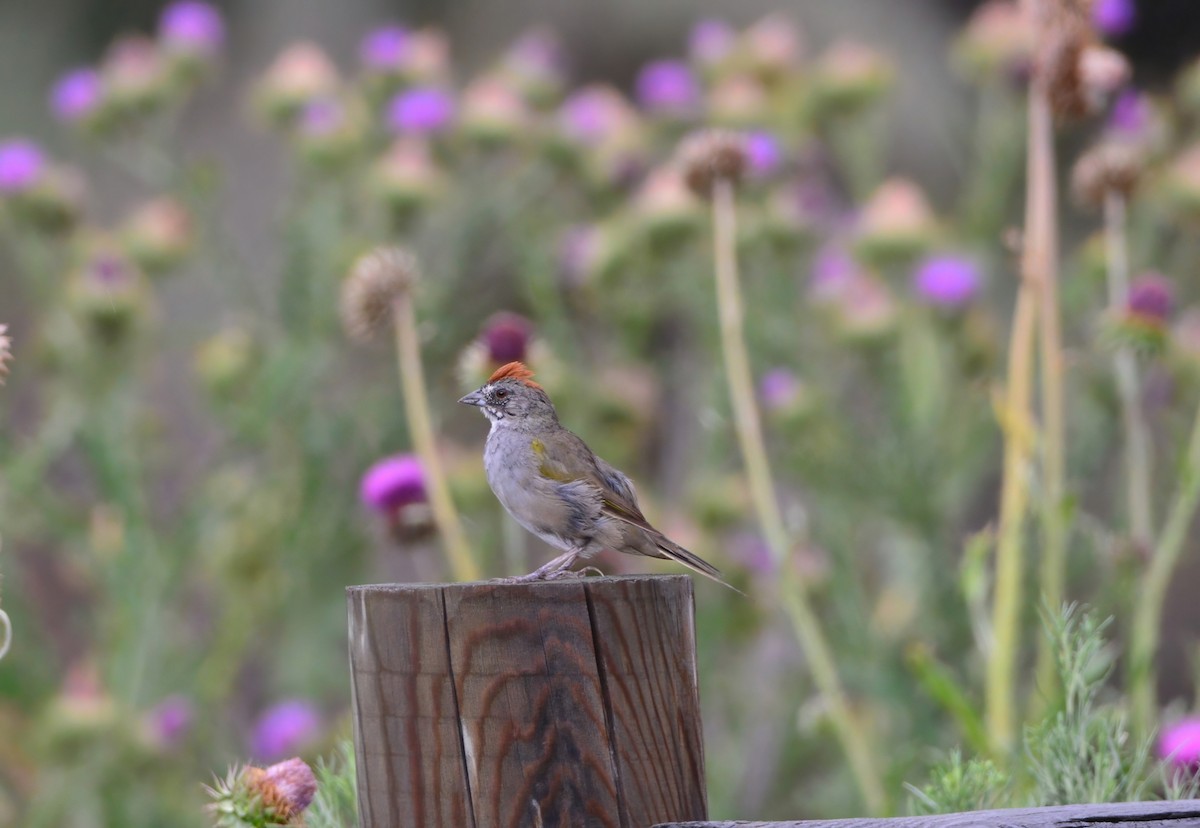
474,398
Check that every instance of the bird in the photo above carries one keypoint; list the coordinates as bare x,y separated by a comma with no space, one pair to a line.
556,487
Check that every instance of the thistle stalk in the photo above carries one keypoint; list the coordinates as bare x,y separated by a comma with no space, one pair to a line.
1138,457
850,732
1017,421
1147,612
416,409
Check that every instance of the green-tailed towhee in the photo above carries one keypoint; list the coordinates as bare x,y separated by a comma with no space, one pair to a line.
553,485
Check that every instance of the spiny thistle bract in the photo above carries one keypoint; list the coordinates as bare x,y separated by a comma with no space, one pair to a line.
273,797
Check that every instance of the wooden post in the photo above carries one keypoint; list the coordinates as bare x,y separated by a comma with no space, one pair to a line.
570,703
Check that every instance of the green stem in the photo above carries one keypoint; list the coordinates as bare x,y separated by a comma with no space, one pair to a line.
1147,613
1043,238
1138,455
416,405
849,730
1018,430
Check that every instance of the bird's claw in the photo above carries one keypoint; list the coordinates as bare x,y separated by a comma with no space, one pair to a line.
548,575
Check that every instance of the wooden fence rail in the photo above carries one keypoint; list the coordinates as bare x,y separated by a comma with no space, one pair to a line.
1182,814
569,703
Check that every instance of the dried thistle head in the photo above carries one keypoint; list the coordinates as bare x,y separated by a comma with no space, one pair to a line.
5,352
1108,168
1079,72
711,155
374,283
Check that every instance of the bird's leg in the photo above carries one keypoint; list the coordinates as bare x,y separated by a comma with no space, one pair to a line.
560,567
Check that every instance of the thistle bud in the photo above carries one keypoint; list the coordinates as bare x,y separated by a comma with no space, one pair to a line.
772,47
328,132
1182,182
406,177
107,292
273,796
595,115
428,59
1107,168
536,66
136,77
224,362
54,204
848,77
492,111
998,41
710,156
169,722
896,222
1142,323
158,235
738,100
191,33
372,287
665,207
1080,76
301,73
5,352
866,311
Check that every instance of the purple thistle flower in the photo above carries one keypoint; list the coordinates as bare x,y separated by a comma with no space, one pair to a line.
392,483
192,26
579,248
946,281
170,720
385,49
1179,744
321,117
668,87
76,95
1114,18
710,41
752,553
778,389
1131,114
537,51
423,110
285,728
21,165
763,152
1151,297
592,114
507,337
833,271
291,781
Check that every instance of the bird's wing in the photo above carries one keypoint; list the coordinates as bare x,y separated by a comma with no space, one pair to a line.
567,459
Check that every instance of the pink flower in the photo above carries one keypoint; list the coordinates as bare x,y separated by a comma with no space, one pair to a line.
1179,744
285,728
392,483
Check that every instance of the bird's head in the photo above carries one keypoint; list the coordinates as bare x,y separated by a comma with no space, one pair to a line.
511,397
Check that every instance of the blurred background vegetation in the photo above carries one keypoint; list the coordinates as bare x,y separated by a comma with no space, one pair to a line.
195,458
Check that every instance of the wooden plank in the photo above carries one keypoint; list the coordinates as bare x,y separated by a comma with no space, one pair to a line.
569,704
1180,814
645,634
411,769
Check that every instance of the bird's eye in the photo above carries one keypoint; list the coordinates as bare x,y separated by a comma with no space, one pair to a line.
501,393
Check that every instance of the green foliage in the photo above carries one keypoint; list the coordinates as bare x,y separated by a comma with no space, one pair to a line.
961,785
336,803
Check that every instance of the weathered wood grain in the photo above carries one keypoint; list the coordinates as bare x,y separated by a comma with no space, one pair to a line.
568,704
1182,814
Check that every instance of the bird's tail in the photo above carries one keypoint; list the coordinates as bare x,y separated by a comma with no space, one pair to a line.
691,560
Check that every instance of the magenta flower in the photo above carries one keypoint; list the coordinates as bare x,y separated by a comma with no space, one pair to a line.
778,389
285,728
321,117
1151,298
763,153
1114,18
21,165
170,720
594,113
946,281
392,483
76,95
711,41
385,49
292,782
192,26
668,87
507,337
1131,114
1179,744
423,110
